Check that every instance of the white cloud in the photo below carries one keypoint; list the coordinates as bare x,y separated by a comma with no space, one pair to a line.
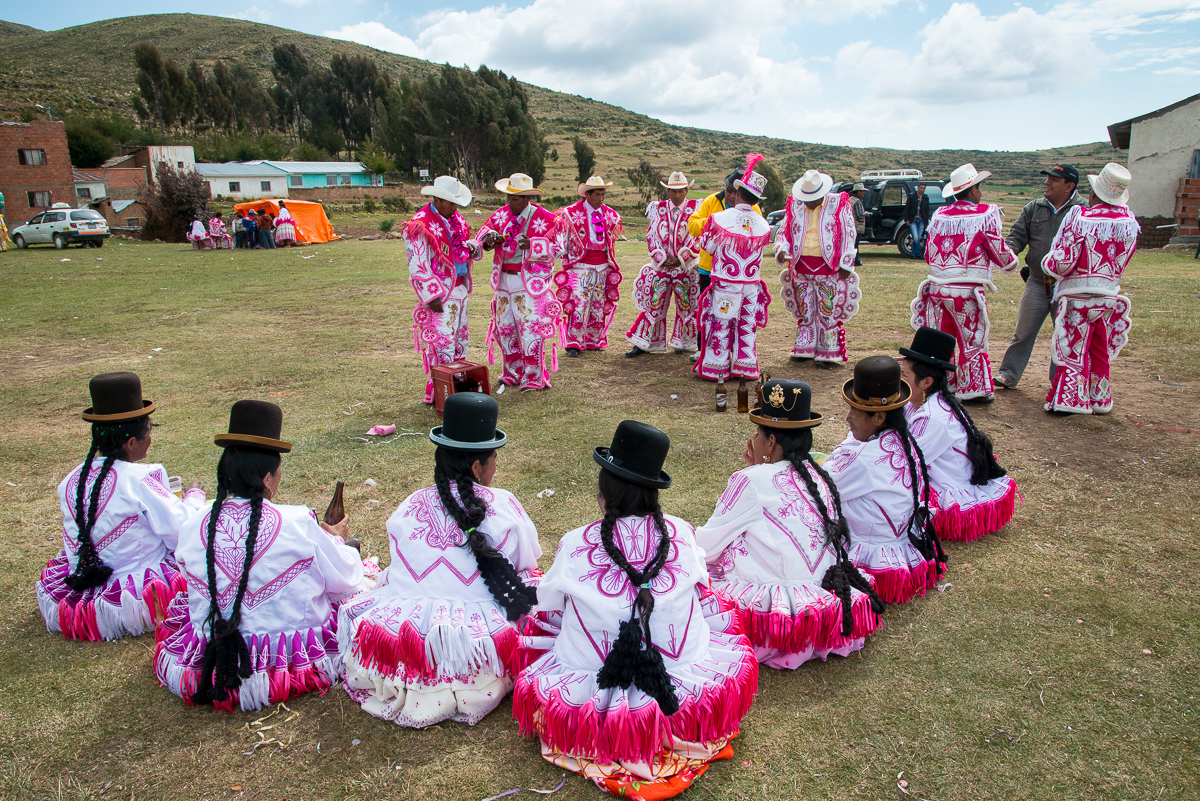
377,35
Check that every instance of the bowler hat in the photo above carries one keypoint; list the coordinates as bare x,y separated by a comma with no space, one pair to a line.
116,397
637,455
786,404
932,347
255,424
469,423
877,385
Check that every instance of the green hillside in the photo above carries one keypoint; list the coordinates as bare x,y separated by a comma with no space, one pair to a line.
89,68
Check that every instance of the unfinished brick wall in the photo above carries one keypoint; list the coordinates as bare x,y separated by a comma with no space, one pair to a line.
1187,207
17,179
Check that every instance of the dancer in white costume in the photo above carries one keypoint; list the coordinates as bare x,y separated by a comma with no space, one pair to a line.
436,639
776,544
116,573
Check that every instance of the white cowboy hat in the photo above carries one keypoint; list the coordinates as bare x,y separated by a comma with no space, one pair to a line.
595,182
678,181
1112,184
447,188
517,184
813,185
964,178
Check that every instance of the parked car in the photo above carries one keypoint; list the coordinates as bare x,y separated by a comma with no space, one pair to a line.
775,219
884,203
62,226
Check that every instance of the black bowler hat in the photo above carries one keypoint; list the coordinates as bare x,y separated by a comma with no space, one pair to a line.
469,423
255,424
1064,171
786,404
637,455
932,347
877,385
116,397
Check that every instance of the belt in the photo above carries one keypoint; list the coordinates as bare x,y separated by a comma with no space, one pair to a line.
515,269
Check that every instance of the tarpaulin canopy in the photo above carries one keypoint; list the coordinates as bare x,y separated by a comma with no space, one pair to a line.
312,226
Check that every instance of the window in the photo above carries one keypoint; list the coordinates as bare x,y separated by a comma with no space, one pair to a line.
39,200
264,186
345,180
133,222
179,164
31,157
57,216
83,192
893,196
37,219
296,180
85,214
331,180
235,186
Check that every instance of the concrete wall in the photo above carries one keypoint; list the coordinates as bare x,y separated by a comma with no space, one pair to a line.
251,186
1160,155
333,194
175,155
96,189
17,180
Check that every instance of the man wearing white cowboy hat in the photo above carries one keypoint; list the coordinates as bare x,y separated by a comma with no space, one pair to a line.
1089,254
672,270
734,306
438,243
525,313
815,245
962,248
588,283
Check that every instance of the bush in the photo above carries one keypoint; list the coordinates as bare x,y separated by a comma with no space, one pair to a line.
386,225
173,202
398,205
87,146
369,205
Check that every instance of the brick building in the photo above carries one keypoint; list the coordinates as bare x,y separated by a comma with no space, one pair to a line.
35,168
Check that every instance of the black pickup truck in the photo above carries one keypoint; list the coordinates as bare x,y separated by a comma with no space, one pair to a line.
884,203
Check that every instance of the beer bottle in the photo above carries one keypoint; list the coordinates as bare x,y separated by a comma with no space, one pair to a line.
743,396
336,511
721,394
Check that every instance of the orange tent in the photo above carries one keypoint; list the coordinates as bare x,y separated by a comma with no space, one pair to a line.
312,226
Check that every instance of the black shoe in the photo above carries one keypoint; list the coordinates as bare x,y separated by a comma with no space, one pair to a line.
573,352
355,544
980,401
634,351
679,350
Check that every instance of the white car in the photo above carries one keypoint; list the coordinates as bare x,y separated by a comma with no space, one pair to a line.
62,226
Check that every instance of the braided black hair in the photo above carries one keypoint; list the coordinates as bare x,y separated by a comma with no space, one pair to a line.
920,528
627,662
501,578
226,659
984,467
107,440
843,575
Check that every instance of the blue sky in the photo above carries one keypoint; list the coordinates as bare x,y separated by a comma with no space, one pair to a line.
888,73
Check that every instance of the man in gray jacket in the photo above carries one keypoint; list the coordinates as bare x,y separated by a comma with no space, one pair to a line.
1035,228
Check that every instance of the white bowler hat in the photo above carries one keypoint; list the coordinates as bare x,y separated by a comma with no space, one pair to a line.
813,185
678,181
1112,184
964,178
447,188
595,182
518,184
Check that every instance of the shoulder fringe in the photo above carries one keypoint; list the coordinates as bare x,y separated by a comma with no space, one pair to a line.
745,245
1107,227
955,224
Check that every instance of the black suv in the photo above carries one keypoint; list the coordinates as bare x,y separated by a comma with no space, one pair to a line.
884,203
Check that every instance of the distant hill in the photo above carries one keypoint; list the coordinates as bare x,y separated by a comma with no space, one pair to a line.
89,68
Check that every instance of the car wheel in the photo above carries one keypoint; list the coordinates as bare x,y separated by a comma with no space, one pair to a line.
19,241
59,242
99,243
905,243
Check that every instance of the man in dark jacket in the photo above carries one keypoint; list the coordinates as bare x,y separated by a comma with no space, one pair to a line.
916,214
1036,227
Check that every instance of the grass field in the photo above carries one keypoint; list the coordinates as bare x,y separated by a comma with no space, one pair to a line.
1060,664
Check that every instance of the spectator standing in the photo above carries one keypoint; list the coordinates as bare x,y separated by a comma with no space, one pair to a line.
3,226
860,217
266,236
1036,228
916,214
250,227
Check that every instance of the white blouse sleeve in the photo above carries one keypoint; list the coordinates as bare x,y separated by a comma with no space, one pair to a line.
737,509
848,467
339,565
163,512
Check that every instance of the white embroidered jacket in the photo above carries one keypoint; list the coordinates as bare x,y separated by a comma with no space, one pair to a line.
736,238
1091,250
667,233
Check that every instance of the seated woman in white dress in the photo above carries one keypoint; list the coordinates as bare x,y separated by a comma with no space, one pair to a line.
198,235
436,639
645,679
883,482
975,495
776,544
257,622
285,227
116,574
218,234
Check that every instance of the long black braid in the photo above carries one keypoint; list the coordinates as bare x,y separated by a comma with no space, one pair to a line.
984,467
920,528
843,575
627,662
501,578
226,657
107,440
